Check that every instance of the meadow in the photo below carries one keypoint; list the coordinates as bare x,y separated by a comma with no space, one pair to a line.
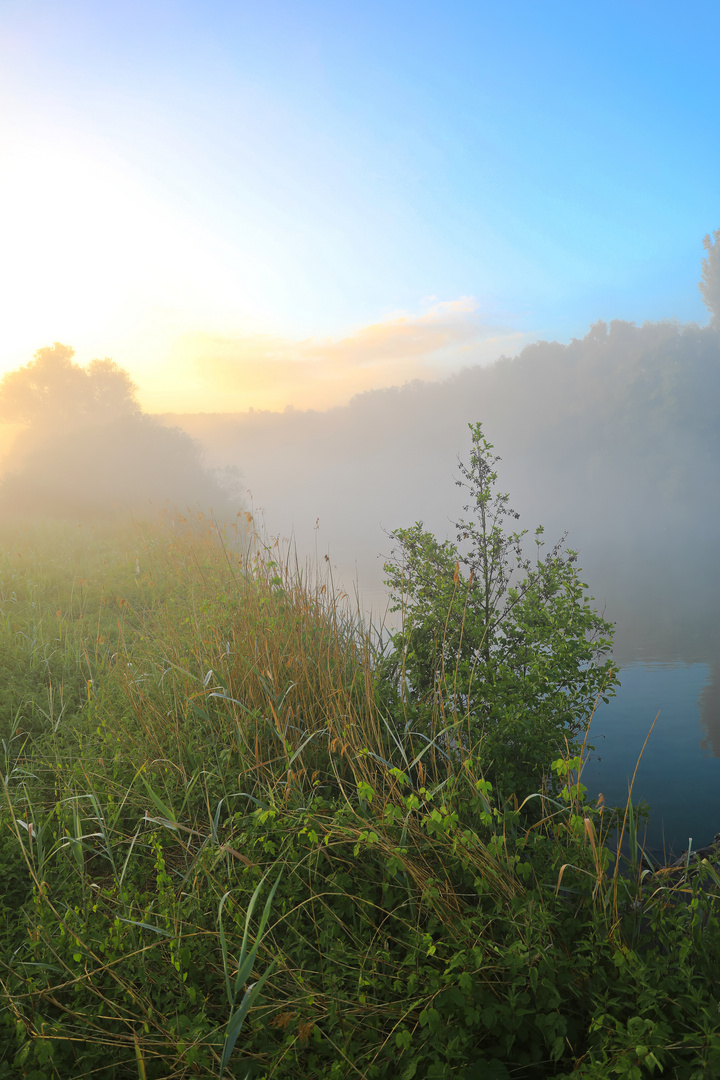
239,838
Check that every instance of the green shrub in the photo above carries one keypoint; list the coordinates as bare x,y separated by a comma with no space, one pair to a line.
506,650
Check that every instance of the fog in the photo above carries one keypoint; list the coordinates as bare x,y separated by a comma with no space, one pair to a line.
613,439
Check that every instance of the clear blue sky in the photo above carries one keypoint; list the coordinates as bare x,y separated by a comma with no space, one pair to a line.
182,182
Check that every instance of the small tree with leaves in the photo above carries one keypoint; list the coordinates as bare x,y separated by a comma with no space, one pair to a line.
504,650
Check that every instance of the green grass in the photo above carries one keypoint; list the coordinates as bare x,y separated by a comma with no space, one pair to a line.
225,853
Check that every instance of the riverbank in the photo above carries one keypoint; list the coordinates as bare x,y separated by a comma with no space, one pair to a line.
184,729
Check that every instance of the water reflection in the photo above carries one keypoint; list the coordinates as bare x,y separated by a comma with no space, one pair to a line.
667,644
709,709
679,773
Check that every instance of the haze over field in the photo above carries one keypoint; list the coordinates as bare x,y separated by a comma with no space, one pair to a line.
279,280
307,234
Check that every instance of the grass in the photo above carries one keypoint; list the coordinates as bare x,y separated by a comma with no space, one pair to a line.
225,853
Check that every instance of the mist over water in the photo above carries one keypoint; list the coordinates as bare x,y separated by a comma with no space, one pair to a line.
613,439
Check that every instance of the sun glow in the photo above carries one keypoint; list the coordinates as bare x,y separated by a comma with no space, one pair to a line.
210,372
93,257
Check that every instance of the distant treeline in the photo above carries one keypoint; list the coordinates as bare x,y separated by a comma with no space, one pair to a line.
614,437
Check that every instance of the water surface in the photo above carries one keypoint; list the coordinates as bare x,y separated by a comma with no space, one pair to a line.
679,772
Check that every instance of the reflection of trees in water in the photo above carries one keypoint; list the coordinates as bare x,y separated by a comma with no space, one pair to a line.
709,709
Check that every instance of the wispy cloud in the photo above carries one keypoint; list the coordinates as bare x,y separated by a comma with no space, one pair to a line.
220,373
446,325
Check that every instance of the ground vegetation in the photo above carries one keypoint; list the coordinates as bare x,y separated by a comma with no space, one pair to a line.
235,839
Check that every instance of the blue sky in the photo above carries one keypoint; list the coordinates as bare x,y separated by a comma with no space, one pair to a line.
282,202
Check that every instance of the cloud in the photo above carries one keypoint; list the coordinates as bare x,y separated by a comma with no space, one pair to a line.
445,325
207,372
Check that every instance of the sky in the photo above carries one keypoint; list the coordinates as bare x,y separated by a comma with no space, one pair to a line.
274,203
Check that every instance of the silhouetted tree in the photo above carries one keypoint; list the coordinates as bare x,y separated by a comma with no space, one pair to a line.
53,390
710,284
88,449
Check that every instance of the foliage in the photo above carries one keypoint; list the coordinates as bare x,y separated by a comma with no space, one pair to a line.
508,650
231,751
710,284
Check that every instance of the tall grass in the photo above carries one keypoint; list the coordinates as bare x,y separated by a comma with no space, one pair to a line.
187,717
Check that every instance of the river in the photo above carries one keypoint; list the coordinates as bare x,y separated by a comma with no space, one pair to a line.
670,670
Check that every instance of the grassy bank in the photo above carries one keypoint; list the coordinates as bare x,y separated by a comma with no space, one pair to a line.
228,850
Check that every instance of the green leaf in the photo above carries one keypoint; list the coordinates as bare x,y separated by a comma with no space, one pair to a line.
164,810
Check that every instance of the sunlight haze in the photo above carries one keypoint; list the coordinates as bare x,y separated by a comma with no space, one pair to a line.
281,204
359,459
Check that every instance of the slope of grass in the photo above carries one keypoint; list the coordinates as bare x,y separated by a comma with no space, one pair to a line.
224,854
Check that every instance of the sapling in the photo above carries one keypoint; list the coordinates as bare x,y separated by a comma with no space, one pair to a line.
507,643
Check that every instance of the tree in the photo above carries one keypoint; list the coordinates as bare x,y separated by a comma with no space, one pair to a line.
89,450
507,648
710,284
55,392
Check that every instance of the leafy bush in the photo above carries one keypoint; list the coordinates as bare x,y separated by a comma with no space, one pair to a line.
507,650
